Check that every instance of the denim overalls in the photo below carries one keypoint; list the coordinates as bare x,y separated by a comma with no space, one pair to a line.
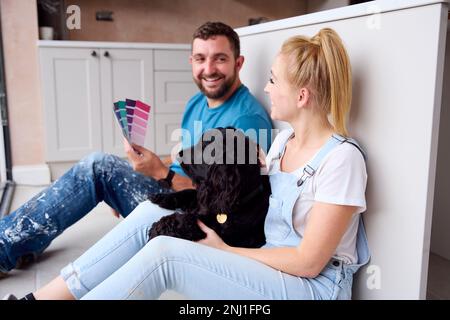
287,188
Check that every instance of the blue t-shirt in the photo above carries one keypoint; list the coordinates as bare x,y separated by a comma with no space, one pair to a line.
241,111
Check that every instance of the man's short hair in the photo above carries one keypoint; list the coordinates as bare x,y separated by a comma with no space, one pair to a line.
211,29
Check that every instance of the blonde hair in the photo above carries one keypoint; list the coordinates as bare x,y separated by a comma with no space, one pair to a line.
322,65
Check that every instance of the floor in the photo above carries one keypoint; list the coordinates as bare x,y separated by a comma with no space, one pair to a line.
67,247
438,278
75,240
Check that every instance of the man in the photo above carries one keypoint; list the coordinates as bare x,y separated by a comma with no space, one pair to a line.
223,101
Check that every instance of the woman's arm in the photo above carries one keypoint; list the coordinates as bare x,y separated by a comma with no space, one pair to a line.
326,225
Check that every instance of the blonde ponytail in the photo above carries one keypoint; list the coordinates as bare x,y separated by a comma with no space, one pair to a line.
321,63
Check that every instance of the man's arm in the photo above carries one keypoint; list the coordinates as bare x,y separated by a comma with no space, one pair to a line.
167,161
149,164
180,182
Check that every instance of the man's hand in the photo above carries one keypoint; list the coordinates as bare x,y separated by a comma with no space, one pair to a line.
145,161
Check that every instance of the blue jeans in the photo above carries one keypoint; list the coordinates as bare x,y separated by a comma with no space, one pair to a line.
98,177
123,265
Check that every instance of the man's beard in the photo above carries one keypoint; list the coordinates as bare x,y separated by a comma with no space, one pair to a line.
220,91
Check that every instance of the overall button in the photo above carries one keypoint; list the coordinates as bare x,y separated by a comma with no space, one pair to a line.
336,263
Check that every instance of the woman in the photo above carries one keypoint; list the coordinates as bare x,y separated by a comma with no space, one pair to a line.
315,238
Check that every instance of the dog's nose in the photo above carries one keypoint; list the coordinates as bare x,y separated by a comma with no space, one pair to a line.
180,154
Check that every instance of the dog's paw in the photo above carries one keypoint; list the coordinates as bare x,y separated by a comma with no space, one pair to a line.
184,199
156,197
177,225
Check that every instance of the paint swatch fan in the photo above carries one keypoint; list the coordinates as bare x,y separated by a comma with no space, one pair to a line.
132,116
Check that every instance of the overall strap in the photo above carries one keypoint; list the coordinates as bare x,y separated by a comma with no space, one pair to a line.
311,168
351,141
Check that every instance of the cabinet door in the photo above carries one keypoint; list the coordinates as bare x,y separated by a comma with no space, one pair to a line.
173,89
168,133
125,73
71,102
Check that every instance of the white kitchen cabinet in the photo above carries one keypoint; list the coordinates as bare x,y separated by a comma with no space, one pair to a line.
71,89
173,84
171,90
125,73
81,80
168,128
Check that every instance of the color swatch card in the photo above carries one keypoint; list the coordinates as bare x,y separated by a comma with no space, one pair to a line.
132,116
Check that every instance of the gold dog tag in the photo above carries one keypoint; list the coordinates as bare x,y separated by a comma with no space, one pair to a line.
221,217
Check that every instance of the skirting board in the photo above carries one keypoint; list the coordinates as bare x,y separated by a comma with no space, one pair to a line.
31,175
57,169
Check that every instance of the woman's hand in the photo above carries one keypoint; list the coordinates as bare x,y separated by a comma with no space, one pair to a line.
212,238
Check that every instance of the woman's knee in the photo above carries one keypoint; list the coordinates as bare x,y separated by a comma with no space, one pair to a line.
169,247
163,243
148,211
143,217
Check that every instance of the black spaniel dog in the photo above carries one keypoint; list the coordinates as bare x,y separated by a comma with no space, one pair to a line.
231,195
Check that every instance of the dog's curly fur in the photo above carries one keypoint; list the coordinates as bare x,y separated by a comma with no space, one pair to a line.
237,189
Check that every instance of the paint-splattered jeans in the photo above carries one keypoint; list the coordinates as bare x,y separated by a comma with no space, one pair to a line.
98,177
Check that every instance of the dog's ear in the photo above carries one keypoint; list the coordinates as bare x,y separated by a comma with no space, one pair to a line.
221,188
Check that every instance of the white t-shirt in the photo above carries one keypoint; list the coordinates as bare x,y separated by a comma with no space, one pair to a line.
340,179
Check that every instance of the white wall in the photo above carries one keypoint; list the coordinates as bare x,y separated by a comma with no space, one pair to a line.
440,234
397,77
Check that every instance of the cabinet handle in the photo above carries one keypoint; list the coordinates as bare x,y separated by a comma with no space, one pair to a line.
106,54
94,53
